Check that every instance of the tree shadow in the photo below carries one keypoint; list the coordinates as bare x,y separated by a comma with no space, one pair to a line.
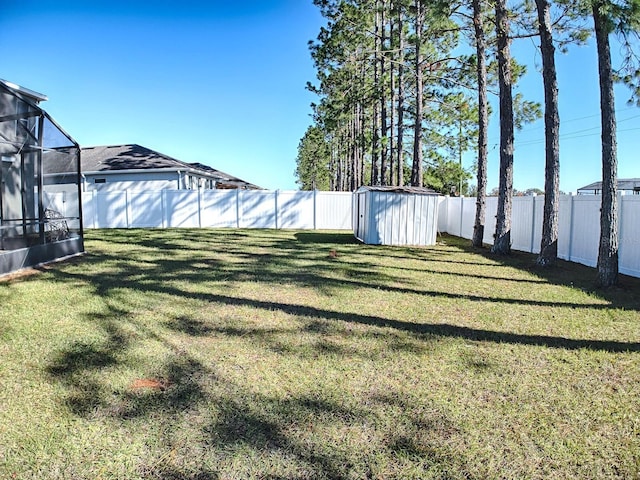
569,274
169,267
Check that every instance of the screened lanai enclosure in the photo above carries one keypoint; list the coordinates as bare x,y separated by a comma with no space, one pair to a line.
40,211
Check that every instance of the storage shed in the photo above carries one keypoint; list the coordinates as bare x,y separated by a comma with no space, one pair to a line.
395,215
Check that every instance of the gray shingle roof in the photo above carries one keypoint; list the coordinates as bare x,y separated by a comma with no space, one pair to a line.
113,158
628,184
227,181
126,157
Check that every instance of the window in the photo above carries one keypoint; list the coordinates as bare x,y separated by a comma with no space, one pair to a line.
99,180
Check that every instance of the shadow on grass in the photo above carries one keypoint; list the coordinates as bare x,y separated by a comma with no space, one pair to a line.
168,265
282,267
430,329
266,424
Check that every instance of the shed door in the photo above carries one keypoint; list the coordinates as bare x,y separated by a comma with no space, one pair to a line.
360,216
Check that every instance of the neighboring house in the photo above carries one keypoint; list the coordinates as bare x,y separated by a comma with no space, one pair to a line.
132,167
227,181
626,186
39,222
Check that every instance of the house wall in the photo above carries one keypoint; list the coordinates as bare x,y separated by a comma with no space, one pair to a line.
144,181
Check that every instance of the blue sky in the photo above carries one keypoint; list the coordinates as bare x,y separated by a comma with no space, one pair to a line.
223,83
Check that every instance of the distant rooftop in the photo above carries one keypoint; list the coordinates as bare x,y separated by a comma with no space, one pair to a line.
228,181
126,157
112,158
624,185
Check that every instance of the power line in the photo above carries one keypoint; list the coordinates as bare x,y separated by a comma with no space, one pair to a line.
570,136
563,122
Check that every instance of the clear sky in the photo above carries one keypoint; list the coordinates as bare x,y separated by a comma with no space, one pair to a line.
223,83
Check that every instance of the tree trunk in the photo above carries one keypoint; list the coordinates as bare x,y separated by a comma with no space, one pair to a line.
416,171
353,142
383,100
483,121
362,144
608,250
392,105
400,108
375,143
502,241
549,244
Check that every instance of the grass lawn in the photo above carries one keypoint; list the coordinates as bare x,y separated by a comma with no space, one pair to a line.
220,354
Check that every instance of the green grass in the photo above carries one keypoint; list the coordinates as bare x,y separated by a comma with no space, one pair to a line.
280,361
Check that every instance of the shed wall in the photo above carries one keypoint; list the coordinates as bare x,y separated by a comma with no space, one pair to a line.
390,218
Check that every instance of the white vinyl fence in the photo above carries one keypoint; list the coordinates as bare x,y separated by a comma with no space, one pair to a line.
578,232
218,208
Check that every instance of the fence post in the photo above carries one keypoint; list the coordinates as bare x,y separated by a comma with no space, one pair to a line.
163,207
199,206
570,227
461,213
620,227
533,222
237,208
315,206
277,212
127,206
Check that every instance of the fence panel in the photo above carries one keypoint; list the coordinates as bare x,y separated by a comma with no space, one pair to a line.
490,220
630,235
296,210
454,206
219,208
111,210
181,208
216,208
522,218
257,209
333,210
468,217
584,230
144,210
578,230
536,236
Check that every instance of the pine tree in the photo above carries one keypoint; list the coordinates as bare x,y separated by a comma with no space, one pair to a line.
483,121
549,243
502,240
313,159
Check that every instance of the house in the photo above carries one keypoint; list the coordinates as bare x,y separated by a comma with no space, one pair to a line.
133,167
226,181
39,221
626,186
